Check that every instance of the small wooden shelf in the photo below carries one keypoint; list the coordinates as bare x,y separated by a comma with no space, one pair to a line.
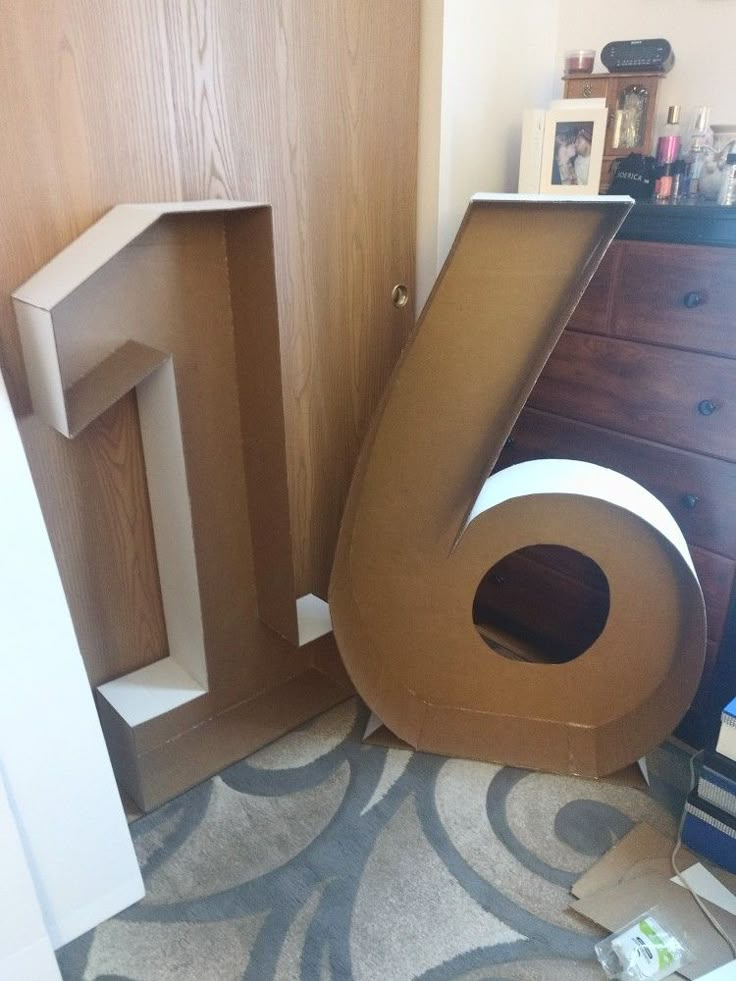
622,92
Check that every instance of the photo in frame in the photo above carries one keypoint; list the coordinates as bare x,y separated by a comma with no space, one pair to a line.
572,150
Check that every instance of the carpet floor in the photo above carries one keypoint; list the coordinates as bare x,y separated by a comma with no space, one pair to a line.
321,857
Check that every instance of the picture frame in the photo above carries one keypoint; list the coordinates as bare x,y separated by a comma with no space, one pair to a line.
572,150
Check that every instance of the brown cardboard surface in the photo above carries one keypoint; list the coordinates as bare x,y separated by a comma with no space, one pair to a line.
641,851
166,755
616,906
258,358
105,384
636,875
262,669
630,776
203,750
127,306
422,526
140,288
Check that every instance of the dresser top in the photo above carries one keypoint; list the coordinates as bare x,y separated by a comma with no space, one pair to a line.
684,223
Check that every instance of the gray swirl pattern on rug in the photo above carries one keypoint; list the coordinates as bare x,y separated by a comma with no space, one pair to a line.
321,857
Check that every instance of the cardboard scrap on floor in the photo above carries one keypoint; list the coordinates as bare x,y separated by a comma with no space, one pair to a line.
725,973
635,875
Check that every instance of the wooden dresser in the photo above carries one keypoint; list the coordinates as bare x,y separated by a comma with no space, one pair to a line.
642,381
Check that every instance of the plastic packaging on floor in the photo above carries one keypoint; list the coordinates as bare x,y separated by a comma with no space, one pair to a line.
647,949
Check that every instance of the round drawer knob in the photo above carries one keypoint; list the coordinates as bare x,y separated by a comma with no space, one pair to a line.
693,299
689,501
707,407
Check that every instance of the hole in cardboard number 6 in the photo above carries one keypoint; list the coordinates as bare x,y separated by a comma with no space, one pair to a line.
544,604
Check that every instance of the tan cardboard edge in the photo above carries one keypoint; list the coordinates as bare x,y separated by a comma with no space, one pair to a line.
258,357
111,233
381,735
231,736
153,691
139,752
113,378
41,360
184,704
171,517
120,742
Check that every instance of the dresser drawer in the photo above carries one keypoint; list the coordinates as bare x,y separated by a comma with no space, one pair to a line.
705,696
669,396
716,580
586,88
592,313
699,491
677,295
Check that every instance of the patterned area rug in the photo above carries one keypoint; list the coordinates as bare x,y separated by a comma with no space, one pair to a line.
322,858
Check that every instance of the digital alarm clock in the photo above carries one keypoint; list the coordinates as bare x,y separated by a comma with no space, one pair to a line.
648,55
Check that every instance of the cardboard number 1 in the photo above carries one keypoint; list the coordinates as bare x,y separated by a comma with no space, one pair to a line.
177,301
423,525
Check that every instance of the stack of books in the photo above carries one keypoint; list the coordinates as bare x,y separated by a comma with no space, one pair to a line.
726,745
709,824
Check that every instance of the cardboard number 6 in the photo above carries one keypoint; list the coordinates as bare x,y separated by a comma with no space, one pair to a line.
423,525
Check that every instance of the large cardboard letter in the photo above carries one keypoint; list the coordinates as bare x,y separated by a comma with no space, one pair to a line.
177,301
422,525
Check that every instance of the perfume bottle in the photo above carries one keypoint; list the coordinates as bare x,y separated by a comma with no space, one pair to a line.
696,152
668,150
678,173
727,193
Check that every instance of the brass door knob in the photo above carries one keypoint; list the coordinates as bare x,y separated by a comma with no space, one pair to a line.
400,295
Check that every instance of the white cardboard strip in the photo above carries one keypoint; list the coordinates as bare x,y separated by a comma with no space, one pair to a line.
705,885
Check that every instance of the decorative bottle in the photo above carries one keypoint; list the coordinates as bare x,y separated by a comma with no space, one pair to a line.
668,150
727,193
695,156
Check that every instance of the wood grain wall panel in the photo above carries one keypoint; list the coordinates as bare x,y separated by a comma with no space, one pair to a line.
310,105
80,483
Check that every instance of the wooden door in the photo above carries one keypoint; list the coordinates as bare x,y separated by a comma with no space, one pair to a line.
310,105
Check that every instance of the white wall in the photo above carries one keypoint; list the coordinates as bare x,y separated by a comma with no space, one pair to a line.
61,794
482,63
701,32
430,136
